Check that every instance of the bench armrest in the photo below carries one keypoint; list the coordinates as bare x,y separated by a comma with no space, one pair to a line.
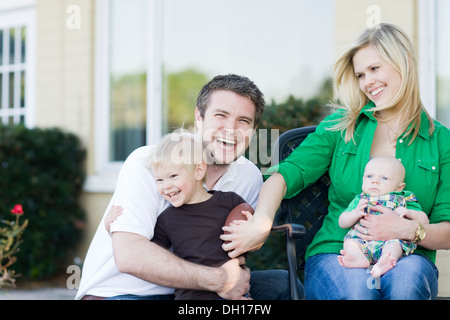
294,230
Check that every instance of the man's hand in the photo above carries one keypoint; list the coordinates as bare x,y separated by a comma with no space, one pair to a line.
237,282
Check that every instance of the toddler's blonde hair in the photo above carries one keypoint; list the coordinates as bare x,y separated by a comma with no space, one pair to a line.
178,148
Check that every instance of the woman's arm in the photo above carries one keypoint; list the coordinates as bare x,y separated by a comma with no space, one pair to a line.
250,235
437,236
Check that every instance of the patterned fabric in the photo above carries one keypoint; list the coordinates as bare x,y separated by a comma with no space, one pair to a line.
390,200
373,249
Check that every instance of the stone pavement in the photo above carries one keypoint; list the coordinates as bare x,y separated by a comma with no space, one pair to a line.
38,294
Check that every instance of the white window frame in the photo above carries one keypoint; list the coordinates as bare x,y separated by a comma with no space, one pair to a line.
15,14
106,171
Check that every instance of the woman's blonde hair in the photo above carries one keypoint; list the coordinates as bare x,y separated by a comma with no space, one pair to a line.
177,148
394,46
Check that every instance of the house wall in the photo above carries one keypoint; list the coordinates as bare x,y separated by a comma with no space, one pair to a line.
65,84
65,68
353,16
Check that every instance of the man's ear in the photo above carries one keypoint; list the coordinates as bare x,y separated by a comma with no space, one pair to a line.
254,130
200,170
198,118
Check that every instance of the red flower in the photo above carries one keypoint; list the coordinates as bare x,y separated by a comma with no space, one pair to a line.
18,210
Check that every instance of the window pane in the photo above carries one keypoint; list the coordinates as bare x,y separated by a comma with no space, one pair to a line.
128,79
1,47
443,62
23,45
22,89
286,48
12,47
1,91
11,90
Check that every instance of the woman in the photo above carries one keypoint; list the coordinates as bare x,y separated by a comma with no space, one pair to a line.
379,113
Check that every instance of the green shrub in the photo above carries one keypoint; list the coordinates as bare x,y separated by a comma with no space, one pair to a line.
42,169
290,114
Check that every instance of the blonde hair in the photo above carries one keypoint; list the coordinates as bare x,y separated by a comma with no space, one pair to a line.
394,46
177,148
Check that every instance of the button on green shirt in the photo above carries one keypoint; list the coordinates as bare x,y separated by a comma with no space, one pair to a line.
426,161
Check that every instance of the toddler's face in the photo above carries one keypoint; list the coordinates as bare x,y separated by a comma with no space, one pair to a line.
381,178
176,184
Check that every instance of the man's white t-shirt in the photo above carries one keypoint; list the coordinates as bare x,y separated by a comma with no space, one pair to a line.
137,193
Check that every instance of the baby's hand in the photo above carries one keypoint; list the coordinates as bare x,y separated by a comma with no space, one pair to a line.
401,211
362,205
111,216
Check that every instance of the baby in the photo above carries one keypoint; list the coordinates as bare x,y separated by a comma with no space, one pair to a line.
383,184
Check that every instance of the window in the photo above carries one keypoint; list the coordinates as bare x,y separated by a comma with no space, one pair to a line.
16,32
286,48
153,57
442,62
126,104
128,76
433,62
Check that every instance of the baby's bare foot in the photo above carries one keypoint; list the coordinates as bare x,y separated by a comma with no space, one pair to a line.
386,263
351,261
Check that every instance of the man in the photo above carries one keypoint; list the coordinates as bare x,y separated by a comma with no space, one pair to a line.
228,111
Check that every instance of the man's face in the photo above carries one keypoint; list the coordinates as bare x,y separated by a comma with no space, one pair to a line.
227,126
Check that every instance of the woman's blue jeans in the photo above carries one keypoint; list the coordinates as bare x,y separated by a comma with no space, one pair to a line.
414,277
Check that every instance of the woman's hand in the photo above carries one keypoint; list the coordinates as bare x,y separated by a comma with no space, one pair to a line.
386,226
250,234
245,235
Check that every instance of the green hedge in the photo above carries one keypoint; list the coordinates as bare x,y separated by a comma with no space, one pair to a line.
290,114
42,169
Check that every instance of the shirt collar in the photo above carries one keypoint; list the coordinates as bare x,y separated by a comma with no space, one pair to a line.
229,175
424,126
424,123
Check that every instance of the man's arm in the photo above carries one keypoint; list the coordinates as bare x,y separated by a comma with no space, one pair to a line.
136,255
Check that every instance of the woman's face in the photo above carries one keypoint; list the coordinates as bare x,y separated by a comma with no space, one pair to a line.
377,79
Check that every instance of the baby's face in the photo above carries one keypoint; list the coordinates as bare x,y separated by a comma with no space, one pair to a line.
381,178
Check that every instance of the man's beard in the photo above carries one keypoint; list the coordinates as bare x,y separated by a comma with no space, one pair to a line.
212,161
210,156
